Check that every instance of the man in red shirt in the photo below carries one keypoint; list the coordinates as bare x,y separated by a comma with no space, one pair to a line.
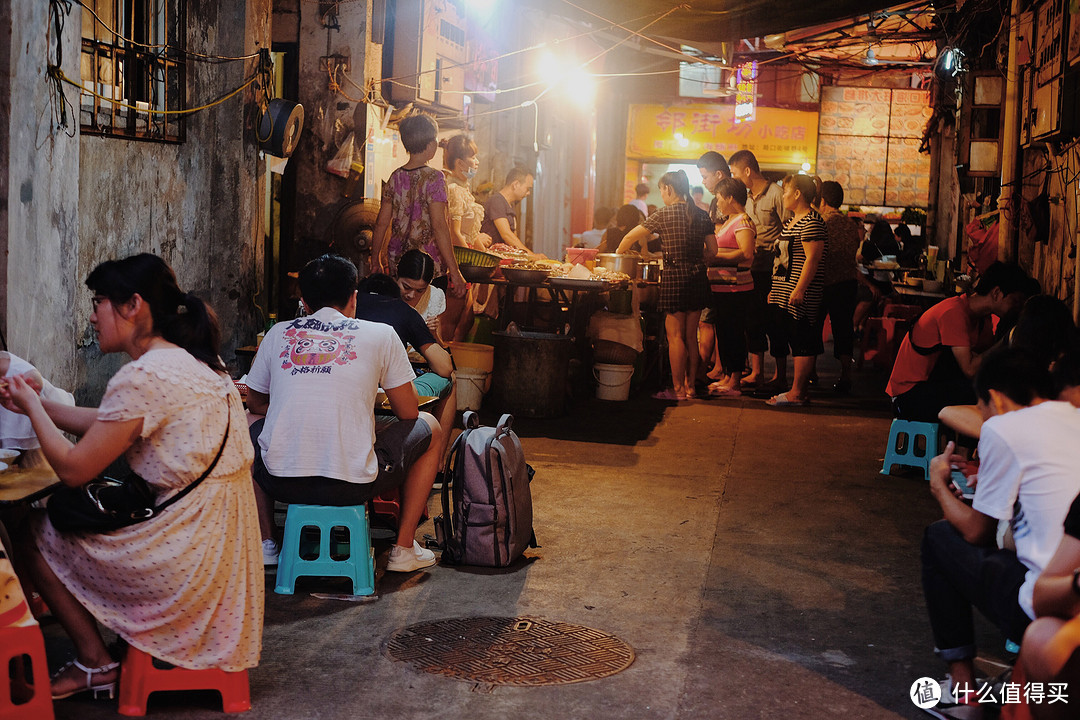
940,355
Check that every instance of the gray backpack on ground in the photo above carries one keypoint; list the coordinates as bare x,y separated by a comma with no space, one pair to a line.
490,524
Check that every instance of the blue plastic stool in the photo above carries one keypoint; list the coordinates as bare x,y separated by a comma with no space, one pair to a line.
903,448
359,565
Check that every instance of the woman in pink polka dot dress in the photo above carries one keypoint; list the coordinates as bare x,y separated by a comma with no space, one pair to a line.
185,586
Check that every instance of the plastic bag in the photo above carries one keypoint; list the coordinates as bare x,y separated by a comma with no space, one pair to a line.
343,159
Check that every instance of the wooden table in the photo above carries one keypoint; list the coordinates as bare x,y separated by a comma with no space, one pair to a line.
382,403
919,296
19,485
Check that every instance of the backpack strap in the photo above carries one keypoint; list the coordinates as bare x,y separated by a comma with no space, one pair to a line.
450,470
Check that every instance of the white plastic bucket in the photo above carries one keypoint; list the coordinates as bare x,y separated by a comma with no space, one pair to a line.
612,381
471,385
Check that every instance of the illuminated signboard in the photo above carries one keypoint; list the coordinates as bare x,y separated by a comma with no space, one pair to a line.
746,92
779,138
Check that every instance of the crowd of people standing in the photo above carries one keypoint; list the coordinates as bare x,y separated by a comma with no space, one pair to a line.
761,267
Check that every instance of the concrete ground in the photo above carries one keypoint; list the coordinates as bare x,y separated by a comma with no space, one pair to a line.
754,559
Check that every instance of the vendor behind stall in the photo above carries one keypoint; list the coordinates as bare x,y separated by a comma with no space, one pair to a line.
500,219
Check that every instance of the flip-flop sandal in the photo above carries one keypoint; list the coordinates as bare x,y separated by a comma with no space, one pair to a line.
727,392
782,400
667,394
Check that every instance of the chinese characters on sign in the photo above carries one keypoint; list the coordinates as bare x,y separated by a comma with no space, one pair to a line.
746,92
776,136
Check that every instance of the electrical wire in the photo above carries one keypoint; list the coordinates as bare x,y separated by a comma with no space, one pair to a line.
511,53
167,46
57,73
59,9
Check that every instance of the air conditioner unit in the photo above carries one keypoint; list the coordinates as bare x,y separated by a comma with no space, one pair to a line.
428,53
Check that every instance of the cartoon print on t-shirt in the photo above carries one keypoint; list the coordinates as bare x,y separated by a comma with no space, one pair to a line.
310,351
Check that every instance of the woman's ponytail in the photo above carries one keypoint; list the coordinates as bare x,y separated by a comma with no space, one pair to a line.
181,318
194,327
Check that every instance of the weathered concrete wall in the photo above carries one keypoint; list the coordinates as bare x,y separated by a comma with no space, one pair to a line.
330,116
40,231
1053,264
196,204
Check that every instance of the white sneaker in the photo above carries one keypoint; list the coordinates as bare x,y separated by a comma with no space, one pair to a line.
405,560
270,553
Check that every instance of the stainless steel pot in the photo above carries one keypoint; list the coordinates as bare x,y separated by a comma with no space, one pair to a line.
619,263
650,271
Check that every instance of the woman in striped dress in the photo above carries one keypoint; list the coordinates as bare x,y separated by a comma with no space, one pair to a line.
798,280
684,287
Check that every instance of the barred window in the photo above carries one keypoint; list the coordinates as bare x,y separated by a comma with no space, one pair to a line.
133,62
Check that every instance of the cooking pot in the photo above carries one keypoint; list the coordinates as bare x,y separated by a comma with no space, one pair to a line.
650,271
619,263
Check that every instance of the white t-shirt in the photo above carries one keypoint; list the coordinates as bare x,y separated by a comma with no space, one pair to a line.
16,431
592,238
640,205
1030,462
322,373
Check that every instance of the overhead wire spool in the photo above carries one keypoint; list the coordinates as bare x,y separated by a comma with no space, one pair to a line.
279,127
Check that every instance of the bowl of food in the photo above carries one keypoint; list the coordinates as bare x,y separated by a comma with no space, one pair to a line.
524,275
912,281
470,256
477,273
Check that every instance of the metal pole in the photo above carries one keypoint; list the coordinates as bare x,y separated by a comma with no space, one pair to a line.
1010,139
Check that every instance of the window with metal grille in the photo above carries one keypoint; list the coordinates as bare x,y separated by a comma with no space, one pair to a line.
133,64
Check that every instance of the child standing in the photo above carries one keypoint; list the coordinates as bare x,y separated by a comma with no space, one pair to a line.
413,212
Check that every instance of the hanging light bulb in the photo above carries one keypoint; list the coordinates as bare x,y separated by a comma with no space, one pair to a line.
949,63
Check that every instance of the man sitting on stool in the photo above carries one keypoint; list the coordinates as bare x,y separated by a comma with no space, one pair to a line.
938,358
1027,478
316,379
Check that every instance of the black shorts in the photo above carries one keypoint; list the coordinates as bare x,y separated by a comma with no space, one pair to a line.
398,445
804,337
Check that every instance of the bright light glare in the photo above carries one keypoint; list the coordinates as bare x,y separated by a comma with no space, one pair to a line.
806,167
565,75
682,140
482,8
581,87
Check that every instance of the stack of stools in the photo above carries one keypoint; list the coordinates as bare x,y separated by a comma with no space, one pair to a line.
139,678
359,566
905,447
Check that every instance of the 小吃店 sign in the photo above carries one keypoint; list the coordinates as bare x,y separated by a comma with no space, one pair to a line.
776,136
745,92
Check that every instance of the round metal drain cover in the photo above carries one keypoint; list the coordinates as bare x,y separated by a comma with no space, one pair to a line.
510,651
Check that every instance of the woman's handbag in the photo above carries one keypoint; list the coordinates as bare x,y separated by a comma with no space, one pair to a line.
106,504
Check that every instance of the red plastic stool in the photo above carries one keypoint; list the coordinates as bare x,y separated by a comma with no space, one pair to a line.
139,678
15,643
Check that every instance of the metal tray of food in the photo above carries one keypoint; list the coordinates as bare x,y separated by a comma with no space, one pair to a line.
476,273
564,283
524,276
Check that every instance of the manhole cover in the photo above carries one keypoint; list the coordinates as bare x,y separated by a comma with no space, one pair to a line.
510,651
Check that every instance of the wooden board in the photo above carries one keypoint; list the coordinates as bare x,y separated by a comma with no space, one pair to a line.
19,485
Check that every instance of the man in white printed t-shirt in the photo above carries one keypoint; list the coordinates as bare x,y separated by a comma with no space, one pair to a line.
316,379
1027,477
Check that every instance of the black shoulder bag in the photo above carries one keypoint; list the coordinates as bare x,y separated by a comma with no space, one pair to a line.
106,504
